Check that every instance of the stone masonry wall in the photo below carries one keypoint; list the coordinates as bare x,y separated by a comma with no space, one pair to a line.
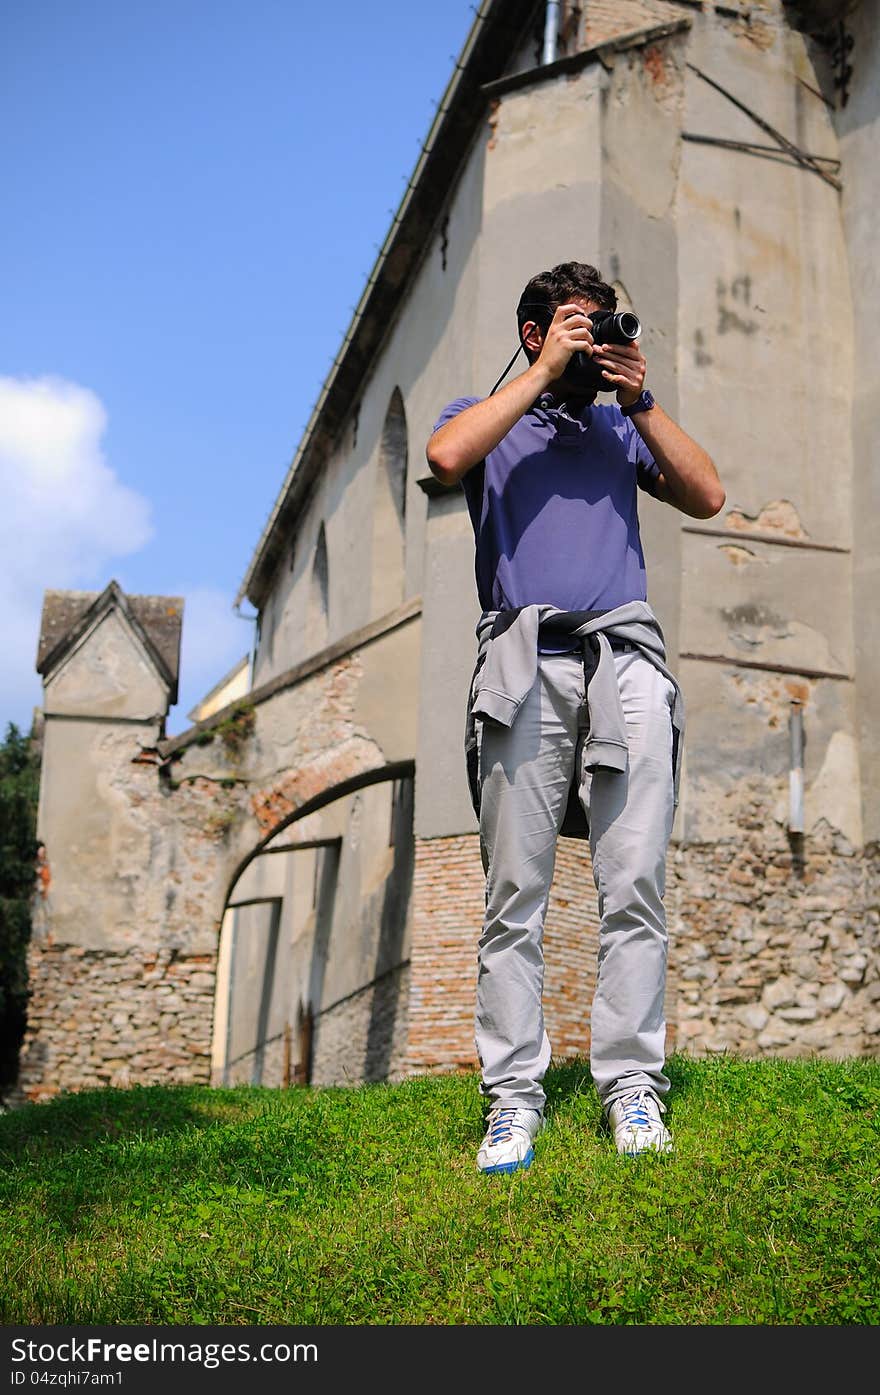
775,943
101,1018
773,947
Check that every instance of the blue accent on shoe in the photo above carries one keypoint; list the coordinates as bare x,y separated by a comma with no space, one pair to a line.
637,1113
512,1166
501,1130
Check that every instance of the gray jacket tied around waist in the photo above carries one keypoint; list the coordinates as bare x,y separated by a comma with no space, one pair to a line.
507,662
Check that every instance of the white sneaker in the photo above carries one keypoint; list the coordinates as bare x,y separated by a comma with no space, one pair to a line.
638,1127
510,1134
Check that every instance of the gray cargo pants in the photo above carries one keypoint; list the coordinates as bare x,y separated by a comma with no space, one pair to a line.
525,774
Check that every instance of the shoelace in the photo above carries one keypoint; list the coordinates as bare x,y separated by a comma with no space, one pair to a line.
501,1125
635,1110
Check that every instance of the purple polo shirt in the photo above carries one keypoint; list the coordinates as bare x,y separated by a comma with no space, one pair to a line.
554,510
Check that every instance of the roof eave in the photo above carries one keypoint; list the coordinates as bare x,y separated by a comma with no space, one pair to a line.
497,30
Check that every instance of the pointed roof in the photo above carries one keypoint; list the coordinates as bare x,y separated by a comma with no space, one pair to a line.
156,620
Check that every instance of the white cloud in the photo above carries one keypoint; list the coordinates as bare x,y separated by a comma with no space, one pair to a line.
64,514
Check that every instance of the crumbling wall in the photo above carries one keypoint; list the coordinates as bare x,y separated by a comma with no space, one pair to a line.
124,995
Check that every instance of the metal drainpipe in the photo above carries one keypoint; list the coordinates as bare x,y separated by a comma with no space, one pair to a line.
551,31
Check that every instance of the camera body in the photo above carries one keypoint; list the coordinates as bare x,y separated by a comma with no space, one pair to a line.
608,327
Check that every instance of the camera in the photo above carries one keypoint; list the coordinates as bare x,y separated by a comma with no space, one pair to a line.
608,327
615,327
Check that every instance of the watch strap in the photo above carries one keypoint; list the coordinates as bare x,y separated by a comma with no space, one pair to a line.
643,403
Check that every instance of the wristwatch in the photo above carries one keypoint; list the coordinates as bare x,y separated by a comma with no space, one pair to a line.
643,403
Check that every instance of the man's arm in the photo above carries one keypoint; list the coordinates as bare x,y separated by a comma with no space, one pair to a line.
688,478
458,445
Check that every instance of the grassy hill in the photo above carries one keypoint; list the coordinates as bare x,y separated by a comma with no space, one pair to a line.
363,1206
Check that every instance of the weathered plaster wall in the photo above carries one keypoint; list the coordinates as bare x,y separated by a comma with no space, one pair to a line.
539,159
450,612
169,848
103,706
426,344
107,674
765,382
642,108
737,265
858,124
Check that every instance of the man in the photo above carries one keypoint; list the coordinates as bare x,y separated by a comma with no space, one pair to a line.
572,714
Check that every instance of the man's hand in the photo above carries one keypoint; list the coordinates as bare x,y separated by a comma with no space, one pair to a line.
624,364
569,332
688,478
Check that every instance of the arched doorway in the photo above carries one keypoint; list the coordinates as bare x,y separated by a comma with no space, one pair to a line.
312,981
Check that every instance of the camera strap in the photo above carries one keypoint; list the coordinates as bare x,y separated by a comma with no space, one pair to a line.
507,369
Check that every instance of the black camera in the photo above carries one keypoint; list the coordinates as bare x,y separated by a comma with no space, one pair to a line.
615,326
608,327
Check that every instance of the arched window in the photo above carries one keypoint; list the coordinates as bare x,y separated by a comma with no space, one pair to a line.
317,622
389,512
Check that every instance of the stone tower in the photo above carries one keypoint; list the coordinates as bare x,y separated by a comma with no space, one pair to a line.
109,664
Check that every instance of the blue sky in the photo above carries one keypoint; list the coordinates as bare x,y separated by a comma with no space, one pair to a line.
195,192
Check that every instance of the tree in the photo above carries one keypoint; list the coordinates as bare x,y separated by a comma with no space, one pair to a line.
19,790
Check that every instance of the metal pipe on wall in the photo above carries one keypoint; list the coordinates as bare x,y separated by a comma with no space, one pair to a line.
551,31
796,768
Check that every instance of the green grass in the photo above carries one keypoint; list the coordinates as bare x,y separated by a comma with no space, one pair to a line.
363,1206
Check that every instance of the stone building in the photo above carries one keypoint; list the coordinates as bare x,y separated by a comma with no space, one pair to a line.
292,890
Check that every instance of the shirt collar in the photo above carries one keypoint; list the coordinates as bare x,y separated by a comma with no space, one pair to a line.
560,412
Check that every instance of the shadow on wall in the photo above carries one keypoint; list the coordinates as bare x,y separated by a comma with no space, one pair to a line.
324,912
392,935
279,1030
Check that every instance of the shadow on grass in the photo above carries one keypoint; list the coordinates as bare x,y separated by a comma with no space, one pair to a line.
568,1080
110,1115
165,1148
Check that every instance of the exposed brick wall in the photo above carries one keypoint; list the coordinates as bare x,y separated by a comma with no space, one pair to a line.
447,909
609,19
571,942
103,1018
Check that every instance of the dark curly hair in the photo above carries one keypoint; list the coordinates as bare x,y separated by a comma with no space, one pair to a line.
549,289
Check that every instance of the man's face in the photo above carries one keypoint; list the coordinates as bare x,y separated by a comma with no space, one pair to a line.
533,335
